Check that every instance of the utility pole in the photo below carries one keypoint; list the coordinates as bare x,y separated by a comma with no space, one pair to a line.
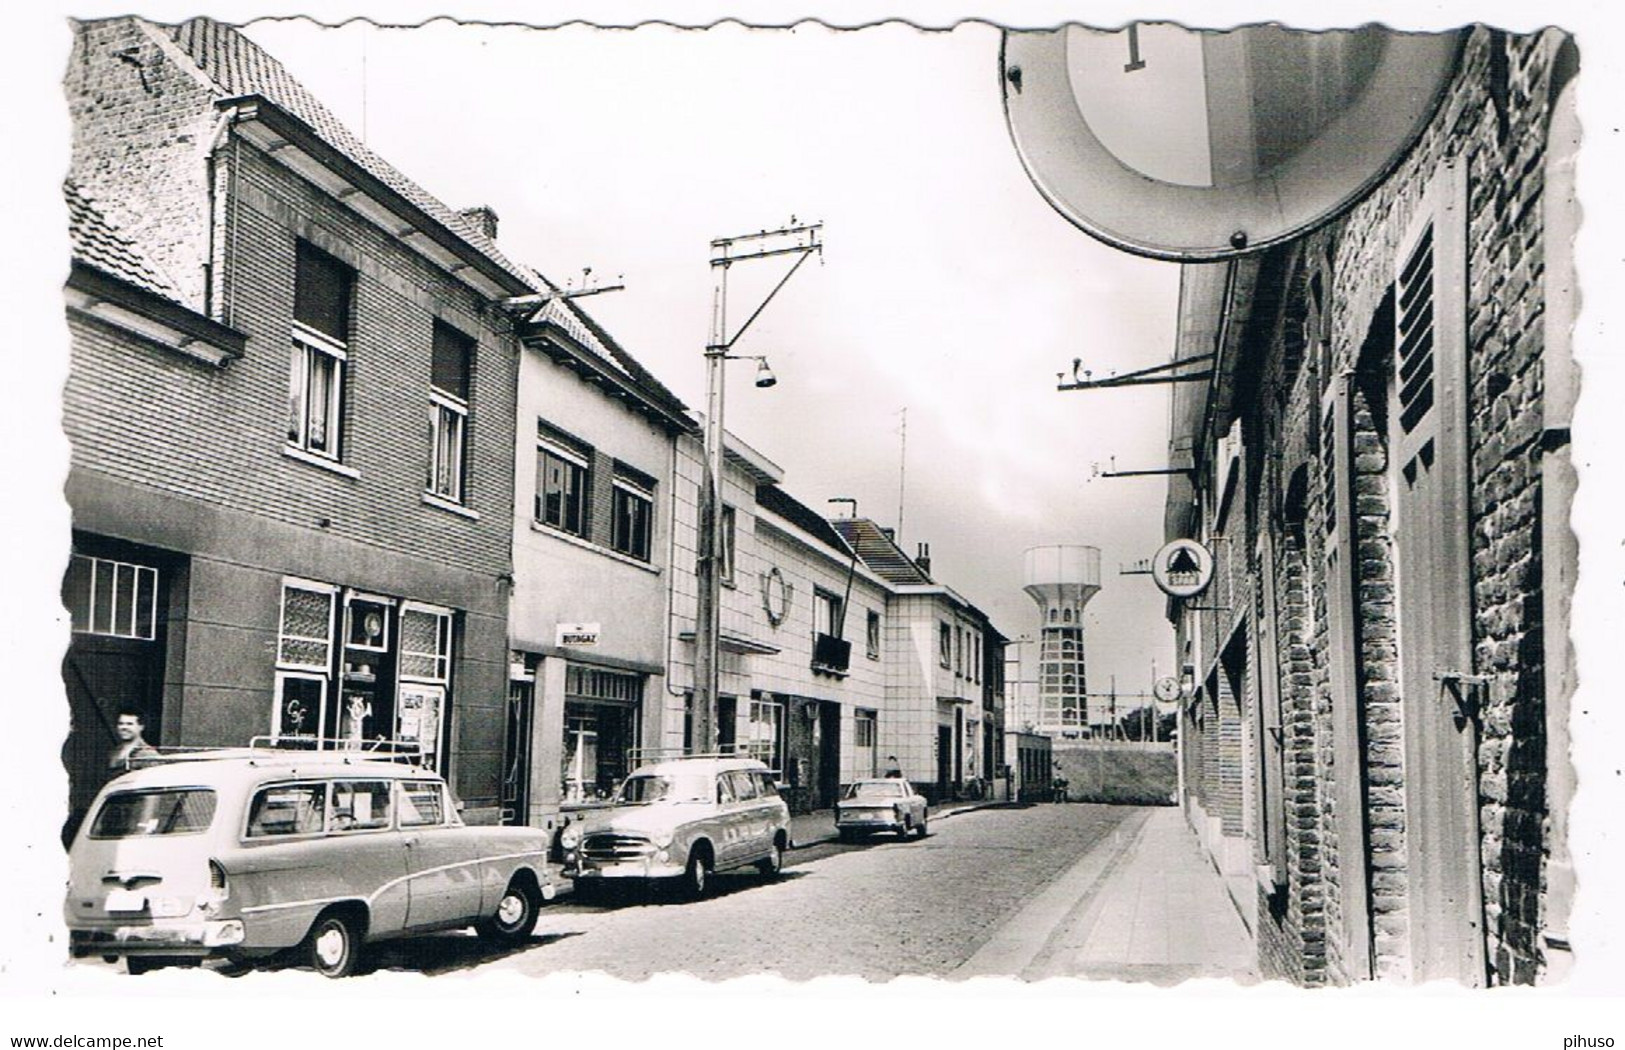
902,473
801,241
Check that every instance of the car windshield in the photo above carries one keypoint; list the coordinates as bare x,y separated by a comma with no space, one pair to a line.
875,789
134,814
646,788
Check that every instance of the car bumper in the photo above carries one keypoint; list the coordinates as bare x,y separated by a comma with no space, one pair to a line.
194,939
650,867
867,823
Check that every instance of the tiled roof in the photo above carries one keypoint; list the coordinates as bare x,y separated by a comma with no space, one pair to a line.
878,551
786,506
238,66
580,327
96,243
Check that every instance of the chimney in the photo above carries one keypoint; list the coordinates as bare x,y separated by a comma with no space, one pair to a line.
923,558
483,218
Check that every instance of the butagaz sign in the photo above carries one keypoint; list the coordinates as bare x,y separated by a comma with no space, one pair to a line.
1182,568
575,634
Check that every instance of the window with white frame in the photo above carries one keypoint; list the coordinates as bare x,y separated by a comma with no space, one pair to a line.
320,350
826,613
562,477
632,509
945,644
448,412
425,643
304,659
872,635
113,598
763,731
864,736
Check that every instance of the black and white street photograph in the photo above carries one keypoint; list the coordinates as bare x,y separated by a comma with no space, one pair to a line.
884,522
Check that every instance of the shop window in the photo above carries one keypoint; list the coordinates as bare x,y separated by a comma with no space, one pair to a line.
323,288
111,598
300,705
763,732
600,730
632,516
425,643
448,412
305,637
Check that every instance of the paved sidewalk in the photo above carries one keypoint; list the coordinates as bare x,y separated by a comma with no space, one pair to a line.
1145,905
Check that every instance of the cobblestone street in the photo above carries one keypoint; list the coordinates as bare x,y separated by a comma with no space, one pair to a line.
876,910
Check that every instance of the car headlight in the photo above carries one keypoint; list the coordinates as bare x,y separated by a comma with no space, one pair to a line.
662,839
570,836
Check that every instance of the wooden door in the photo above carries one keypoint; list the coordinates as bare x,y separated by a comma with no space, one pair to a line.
1428,439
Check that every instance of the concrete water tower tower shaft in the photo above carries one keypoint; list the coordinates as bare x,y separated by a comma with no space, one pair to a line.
1061,579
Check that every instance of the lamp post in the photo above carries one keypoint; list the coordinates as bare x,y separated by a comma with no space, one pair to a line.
801,241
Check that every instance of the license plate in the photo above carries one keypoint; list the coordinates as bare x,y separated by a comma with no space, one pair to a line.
125,900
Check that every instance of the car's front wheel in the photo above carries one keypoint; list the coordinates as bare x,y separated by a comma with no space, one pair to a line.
697,876
515,916
334,945
773,863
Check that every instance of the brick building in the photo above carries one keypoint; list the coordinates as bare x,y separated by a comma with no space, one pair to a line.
291,411
1374,744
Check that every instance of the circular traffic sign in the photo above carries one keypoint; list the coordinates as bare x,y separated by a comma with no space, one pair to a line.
1200,145
1182,568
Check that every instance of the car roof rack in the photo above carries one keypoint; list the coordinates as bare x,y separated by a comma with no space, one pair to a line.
641,756
267,746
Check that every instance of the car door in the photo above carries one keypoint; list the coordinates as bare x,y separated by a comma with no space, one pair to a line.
363,851
727,823
443,878
753,835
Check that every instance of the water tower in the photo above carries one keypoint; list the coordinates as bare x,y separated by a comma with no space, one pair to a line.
1061,579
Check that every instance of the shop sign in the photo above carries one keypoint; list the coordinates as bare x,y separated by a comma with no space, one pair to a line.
573,635
1182,569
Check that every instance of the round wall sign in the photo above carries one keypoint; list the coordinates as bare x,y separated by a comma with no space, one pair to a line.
1182,568
775,596
1166,689
1196,145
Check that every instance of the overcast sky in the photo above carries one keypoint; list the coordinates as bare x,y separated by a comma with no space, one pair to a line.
948,286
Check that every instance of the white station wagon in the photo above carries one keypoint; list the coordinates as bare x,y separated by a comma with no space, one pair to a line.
243,853
681,819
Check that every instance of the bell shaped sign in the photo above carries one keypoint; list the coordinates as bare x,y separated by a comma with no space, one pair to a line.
1200,145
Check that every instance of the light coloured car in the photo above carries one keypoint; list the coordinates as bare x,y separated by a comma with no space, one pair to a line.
242,854
880,804
681,819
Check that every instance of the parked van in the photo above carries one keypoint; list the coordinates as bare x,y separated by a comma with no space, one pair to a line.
239,854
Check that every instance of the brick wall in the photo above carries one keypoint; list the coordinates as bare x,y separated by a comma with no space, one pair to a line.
1492,121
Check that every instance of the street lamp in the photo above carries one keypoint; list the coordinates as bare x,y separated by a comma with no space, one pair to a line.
802,241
